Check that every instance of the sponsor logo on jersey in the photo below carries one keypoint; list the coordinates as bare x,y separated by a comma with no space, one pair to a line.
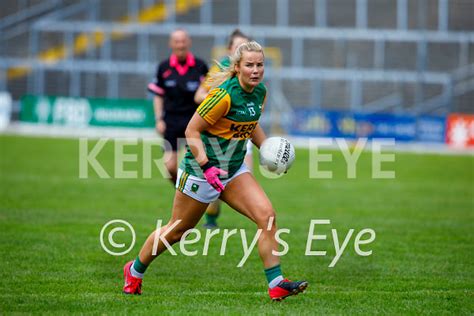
242,130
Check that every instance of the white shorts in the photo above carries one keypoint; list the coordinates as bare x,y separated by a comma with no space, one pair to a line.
199,189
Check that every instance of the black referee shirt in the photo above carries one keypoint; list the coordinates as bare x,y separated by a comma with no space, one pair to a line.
177,82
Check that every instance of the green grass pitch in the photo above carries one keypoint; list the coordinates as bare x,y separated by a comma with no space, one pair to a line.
52,260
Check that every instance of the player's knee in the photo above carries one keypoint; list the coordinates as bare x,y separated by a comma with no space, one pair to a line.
266,216
174,235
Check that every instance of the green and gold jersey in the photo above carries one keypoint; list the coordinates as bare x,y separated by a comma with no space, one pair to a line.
233,115
223,63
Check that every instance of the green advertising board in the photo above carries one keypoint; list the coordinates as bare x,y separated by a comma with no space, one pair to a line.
85,112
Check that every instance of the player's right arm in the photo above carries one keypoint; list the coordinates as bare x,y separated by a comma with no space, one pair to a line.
193,138
215,106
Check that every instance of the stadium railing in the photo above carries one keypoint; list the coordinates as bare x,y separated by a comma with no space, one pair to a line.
301,77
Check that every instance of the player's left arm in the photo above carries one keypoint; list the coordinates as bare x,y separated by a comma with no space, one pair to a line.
258,136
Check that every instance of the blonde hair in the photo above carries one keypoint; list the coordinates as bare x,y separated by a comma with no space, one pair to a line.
218,77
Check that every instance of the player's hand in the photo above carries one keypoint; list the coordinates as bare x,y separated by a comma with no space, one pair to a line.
212,177
160,126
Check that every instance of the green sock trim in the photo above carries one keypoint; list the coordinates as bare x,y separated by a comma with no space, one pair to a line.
211,219
272,273
139,266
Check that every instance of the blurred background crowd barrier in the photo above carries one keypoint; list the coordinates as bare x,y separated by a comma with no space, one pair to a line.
334,68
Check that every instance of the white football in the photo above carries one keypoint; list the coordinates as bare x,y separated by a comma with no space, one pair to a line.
277,154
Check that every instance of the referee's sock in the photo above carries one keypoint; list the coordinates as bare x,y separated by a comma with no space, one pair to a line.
137,269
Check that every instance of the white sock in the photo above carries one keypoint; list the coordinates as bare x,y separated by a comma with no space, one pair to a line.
135,273
275,281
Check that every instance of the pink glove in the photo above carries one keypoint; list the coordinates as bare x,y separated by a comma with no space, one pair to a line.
211,174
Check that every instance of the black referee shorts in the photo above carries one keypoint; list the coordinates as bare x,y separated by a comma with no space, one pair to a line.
175,127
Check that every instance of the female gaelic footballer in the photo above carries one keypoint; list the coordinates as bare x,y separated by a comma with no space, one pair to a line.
223,123
235,39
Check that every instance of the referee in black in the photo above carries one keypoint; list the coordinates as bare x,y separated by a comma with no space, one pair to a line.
177,80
